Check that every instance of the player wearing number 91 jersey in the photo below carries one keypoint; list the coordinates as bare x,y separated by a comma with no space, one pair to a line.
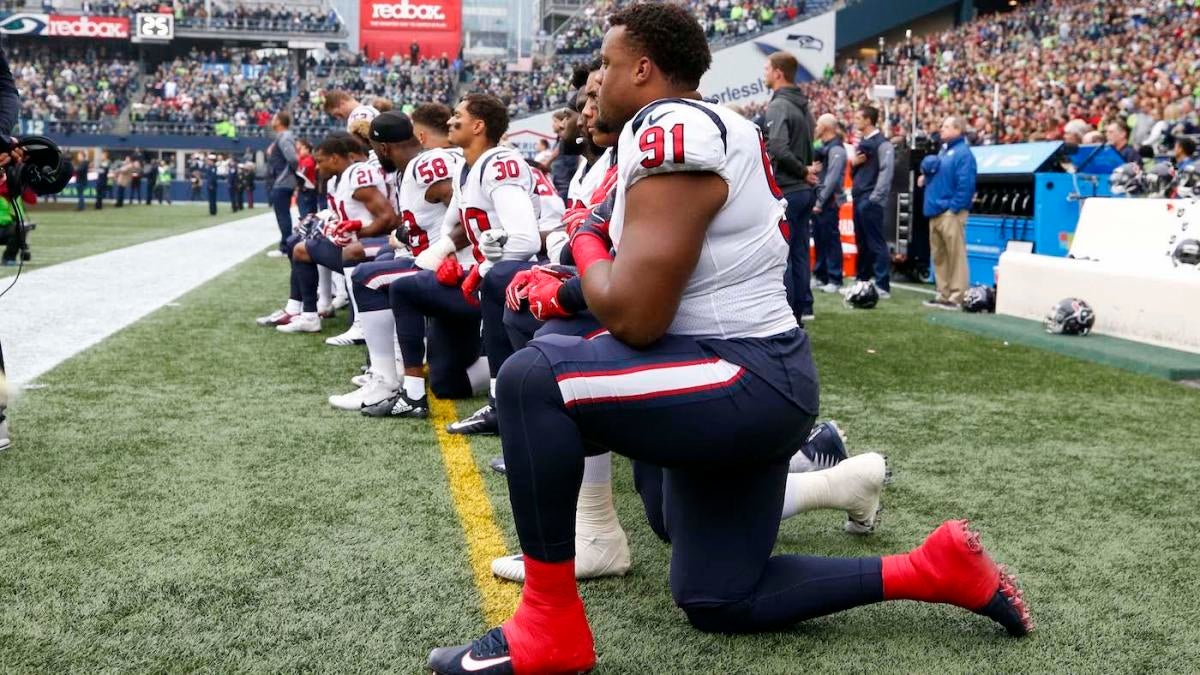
744,252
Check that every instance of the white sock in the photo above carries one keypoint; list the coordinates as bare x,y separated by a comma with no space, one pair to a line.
347,271
293,306
324,286
478,375
492,388
338,283
598,469
396,349
826,489
379,328
414,387
594,512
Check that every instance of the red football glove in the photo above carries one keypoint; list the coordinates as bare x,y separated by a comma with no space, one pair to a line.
516,291
543,298
574,217
450,272
348,227
470,285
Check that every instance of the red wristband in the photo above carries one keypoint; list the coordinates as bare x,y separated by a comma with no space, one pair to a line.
589,249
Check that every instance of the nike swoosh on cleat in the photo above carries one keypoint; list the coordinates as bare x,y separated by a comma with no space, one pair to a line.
470,664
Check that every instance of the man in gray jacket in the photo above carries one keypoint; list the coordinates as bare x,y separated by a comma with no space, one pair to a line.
282,162
789,143
830,168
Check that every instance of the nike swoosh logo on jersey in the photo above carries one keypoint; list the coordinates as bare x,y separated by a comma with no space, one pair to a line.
653,121
470,664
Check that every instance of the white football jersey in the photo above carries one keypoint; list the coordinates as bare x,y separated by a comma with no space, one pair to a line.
424,220
362,112
584,183
474,190
736,290
551,205
341,191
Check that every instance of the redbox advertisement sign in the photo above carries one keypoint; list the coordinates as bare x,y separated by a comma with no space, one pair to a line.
388,27
105,27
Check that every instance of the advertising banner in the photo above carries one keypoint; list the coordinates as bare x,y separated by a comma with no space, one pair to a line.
389,27
736,75
59,25
103,27
736,72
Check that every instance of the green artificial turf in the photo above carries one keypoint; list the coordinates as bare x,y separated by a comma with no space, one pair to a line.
63,233
1137,357
182,498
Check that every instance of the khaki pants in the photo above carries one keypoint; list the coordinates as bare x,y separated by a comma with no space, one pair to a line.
948,244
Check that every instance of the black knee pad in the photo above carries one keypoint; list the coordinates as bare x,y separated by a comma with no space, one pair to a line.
713,618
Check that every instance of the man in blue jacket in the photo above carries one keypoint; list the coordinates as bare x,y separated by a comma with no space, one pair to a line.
949,182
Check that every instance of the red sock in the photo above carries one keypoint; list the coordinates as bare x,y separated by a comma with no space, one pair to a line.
550,633
950,566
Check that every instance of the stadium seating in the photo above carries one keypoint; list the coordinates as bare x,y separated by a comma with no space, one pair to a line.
295,16
1079,59
75,92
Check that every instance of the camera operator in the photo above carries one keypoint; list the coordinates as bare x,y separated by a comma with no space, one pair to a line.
9,106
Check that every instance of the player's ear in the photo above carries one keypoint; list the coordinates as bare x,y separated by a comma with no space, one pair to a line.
641,71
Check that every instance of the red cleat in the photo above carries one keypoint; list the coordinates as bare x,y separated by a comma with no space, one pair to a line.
952,567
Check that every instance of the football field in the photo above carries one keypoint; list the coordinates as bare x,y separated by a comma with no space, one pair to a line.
181,497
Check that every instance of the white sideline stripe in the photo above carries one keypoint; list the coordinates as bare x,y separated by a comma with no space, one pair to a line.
56,312
918,289
648,383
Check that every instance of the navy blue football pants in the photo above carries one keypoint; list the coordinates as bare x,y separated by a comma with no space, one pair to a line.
722,437
796,278
423,307
874,259
827,240
281,202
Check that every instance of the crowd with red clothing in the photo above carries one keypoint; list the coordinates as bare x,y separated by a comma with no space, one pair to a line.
1061,68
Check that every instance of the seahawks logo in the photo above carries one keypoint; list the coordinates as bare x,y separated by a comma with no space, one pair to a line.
24,24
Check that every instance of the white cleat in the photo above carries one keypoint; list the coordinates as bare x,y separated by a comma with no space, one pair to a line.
361,379
353,336
310,323
602,555
276,253
277,318
374,391
341,301
862,477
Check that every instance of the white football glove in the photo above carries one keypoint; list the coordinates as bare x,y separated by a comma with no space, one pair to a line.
491,244
432,257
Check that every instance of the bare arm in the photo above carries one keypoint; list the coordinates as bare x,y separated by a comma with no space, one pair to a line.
383,216
636,295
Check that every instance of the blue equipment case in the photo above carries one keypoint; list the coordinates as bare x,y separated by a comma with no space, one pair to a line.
1023,193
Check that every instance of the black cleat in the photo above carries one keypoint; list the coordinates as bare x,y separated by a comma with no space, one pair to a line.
484,421
498,466
399,405
487,655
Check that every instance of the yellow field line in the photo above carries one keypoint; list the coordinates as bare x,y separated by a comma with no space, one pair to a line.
484,542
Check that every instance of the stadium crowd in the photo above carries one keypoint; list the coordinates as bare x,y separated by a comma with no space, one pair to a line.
226,94
1084,62
79,91
275,18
